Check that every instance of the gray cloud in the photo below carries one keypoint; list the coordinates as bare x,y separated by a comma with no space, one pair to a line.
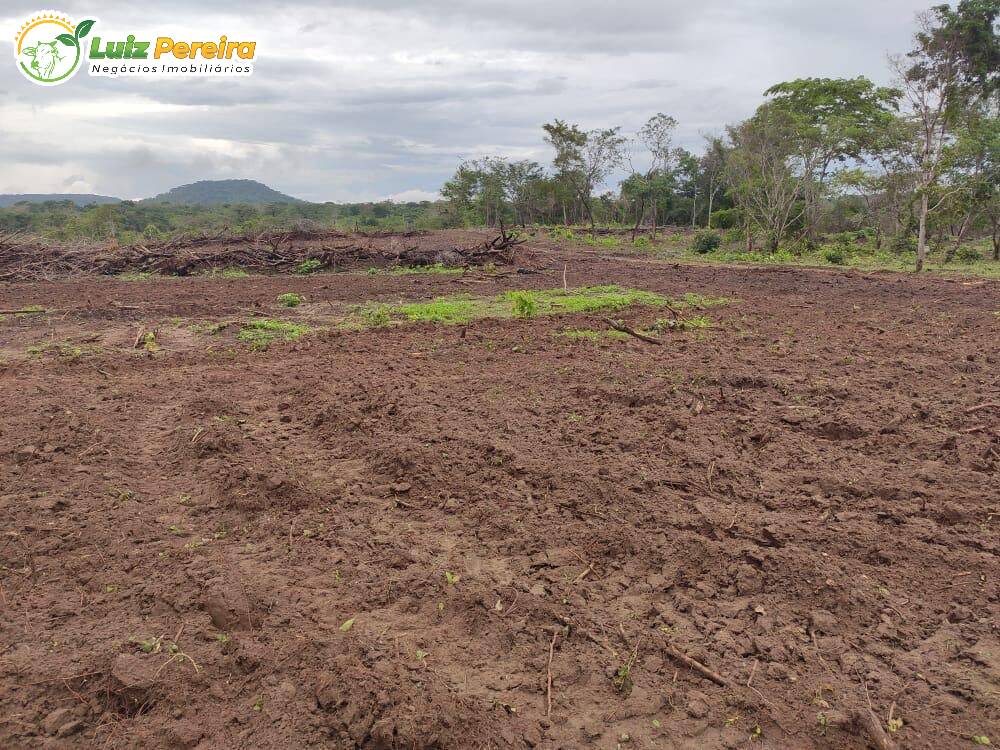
359,99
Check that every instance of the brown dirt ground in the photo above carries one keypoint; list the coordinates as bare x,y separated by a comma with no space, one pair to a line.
795,498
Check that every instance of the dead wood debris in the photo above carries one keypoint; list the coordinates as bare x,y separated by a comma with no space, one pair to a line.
27,258
697,666
620,326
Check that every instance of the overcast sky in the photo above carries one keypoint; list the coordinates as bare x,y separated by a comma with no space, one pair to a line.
370,99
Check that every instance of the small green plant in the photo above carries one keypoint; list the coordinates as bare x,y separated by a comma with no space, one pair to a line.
451,578
232,272
824,722
29,310
641,242
835,255
259,334
524,304
980,739
138,276
64,349
701,301
561,233
151,645
149,343
347,625
705,241
434,268
210,329
289,299
681,324
966,254
374,314
622,681
602,241
308,266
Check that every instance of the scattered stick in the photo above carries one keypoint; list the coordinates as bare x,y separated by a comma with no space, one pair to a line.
866,720
585,573
138,337
565,285
619,326
548,682
970,430
753,671
586,634
697,666
985,405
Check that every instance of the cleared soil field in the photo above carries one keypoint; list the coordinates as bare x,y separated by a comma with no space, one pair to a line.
774,524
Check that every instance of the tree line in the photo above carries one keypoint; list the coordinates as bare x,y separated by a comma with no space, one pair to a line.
912,164
131,222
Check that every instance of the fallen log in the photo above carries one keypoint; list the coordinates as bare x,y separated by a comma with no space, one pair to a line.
619,326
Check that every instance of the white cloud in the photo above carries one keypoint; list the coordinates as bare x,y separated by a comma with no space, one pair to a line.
413,196
354,99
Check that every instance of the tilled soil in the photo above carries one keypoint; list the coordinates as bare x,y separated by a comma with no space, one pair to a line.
495,536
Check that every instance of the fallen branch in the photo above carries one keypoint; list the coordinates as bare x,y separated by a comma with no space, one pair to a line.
866,720
585,573
619,326
980,407
697,666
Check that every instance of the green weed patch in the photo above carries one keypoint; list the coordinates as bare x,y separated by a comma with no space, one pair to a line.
259,334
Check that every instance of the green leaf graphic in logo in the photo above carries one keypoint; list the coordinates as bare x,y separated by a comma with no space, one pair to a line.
46,61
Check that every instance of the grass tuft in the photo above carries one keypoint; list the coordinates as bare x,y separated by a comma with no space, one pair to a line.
232,272
259,334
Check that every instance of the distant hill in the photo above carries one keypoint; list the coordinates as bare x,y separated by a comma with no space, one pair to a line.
206,192
80,199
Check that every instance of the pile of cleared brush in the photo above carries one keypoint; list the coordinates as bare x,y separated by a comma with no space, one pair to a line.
26,258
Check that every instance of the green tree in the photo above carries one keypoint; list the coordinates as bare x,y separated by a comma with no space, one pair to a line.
642,186
584,159
951,66
834,120
760,175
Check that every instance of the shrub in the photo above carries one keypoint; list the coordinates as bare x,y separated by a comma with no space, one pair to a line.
726,218
967,254
641,242
289,299
835,255
524,304
705,241
374,314
733,234
903,243
311,265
